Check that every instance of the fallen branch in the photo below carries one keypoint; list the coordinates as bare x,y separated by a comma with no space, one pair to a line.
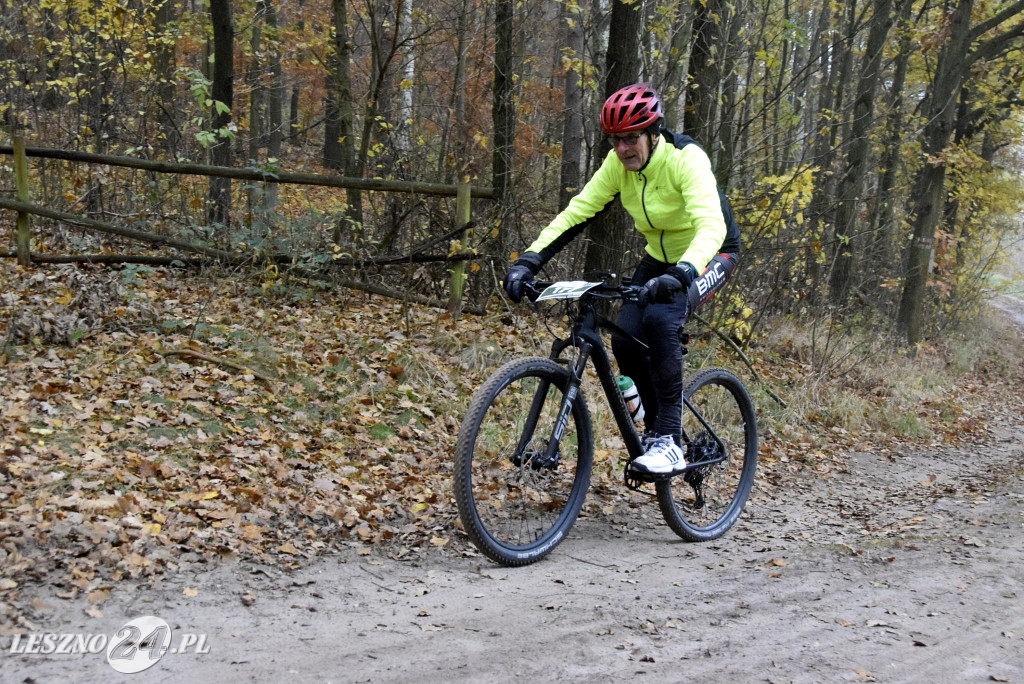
415,255
284,261
140,235
406,296
191,353
41,258
743,357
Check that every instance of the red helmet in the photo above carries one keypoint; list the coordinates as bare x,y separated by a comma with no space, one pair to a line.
632,108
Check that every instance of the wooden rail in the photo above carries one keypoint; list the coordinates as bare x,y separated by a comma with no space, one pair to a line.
463,193
252,174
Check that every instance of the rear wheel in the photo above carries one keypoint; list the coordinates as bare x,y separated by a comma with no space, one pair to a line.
703,502
516,500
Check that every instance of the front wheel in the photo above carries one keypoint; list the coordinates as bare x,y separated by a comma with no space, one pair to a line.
703,502
518,498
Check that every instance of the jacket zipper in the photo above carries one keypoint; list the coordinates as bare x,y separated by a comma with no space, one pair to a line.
643,203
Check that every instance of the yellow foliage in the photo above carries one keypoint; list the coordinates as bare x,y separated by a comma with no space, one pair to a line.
783,198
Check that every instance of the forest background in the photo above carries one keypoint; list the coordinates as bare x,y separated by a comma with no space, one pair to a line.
871,151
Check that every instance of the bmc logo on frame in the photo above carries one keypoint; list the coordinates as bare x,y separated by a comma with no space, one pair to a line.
135,647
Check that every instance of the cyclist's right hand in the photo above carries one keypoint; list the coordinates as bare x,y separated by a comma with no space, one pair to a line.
522,272
515,279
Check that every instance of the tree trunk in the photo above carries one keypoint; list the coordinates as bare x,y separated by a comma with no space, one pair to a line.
674,85
881,230
51,96
293,105
607,233
275,105
256,92
851,183
218,209
163,63
454,124
726,143
938,112
778,131
96,105
572,129
704,78
339,116
339,124
503,112
404,112
823,155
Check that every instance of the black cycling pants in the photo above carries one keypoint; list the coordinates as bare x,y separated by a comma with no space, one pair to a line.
658,369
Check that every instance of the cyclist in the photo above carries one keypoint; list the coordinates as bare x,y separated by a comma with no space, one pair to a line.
664,180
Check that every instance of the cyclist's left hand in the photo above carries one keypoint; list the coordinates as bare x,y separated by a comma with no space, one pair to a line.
666,287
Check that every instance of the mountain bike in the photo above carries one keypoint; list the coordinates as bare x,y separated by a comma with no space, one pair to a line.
525,448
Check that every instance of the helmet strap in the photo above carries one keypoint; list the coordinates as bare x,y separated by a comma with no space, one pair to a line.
652,143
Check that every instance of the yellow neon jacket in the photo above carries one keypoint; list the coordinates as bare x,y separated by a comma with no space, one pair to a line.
674,201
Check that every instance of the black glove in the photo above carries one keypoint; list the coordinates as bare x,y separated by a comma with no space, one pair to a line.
522,271
667,286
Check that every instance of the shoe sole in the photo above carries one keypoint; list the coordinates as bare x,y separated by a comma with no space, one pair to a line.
640,468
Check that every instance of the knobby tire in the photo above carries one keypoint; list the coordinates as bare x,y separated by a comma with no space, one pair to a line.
703,503
514,506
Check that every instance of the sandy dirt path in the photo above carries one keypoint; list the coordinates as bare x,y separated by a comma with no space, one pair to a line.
900,569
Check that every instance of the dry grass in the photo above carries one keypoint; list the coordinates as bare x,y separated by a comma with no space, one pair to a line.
862,383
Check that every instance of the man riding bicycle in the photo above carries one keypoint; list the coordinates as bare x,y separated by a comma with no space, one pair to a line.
664,181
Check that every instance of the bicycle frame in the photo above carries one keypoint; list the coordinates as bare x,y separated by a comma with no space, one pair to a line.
585,337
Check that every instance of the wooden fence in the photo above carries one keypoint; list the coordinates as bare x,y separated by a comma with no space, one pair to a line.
463,193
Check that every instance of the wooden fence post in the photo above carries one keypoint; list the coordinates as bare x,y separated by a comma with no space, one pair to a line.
24,236
462,216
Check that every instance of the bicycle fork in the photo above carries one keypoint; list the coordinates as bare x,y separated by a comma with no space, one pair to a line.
551,456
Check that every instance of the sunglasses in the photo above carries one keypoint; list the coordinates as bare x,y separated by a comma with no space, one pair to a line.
630,140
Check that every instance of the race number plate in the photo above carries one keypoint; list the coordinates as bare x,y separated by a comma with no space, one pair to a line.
567,289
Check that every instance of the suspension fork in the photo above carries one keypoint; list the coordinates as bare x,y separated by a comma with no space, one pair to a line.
564,410
569,398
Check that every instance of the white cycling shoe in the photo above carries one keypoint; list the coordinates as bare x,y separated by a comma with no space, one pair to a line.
663,457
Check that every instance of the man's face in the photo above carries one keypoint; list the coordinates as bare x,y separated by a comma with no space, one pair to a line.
633,149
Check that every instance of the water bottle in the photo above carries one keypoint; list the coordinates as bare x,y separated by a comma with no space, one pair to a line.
632,398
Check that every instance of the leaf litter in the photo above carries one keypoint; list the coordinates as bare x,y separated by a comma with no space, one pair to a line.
169,421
